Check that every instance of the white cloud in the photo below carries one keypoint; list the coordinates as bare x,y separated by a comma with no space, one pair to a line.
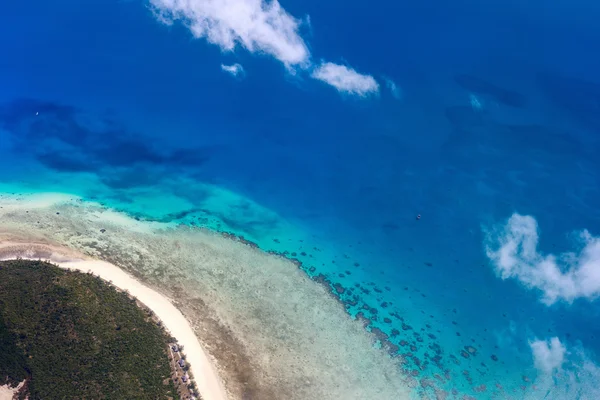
394,89
259,26
569,276
563,373
256,25
548,355
346,80
234,69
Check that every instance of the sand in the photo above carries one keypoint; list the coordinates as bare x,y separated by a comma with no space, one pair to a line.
205,374
268,330
7,393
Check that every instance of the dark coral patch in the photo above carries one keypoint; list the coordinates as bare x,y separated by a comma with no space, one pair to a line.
339,288
351,301
427,383
365,321
241,239
480,389
390,347
467,376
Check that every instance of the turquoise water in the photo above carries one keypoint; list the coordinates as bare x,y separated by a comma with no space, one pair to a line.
105,102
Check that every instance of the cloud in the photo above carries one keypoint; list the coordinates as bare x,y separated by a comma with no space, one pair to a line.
346,80
394,89
564,373
569,276
548,355
259,26
256,25
234,69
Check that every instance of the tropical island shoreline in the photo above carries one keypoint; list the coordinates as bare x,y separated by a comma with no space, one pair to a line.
268,330
206,376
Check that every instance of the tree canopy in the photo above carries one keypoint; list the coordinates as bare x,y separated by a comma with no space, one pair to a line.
72,335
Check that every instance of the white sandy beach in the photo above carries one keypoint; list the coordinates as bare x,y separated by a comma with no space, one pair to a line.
7,393
205,374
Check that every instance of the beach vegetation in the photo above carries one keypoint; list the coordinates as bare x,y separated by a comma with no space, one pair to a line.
70,335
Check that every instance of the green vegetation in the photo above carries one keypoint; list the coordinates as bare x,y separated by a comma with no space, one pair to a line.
73,336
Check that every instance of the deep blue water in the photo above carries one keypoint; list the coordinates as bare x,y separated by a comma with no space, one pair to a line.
140,116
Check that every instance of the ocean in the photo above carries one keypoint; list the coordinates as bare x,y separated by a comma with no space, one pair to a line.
444,184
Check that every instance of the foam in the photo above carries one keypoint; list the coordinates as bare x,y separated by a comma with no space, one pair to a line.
273,333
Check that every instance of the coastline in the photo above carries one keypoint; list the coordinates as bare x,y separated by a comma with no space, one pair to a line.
205,373
271,331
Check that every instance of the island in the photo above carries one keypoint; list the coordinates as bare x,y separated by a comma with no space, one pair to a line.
70,335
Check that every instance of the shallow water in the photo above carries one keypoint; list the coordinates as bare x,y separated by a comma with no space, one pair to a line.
498,114
271,331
